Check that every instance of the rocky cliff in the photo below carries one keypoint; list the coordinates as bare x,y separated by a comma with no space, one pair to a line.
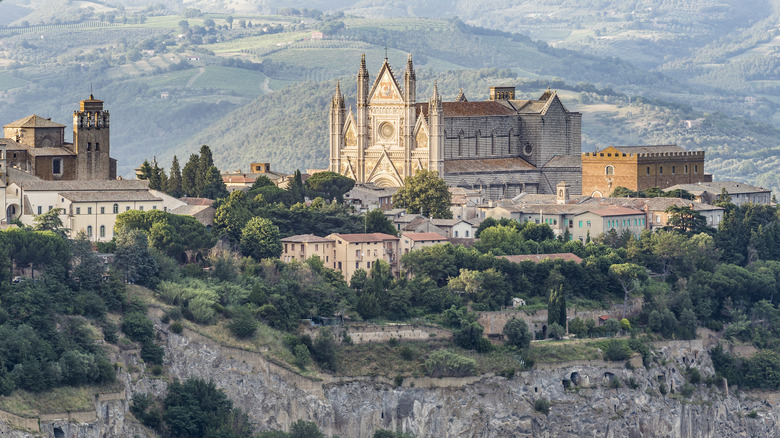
588,399
597,399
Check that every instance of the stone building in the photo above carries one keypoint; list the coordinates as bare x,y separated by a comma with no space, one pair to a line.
501,146
640,168
37,146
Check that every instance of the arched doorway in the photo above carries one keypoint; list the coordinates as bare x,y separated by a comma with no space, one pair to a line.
13,211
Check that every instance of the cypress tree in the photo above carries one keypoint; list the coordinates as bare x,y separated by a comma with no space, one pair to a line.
173,187
154,177
189,177
146,170
213,186
205,162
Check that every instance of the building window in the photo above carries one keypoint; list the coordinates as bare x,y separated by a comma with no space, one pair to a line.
672,170
141,207
102,231
467,233
357,265
56,166
78,210
695,169
89,210
127,208
580,224
154,207
97,146
456,233
660,170
588,224
102,210
685,169
89,230
648,170
116,208
40,209
89,146
610,170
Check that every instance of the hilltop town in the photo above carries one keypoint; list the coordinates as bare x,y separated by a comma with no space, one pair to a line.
466,248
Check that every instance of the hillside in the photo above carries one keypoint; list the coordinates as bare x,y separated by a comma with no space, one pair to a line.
251,86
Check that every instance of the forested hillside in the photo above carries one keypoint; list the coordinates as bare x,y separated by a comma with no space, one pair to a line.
257,87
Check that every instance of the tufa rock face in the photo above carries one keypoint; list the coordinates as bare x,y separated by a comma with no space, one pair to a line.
592,406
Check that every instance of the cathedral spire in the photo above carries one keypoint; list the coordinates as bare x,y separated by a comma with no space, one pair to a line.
362,79
338,97
410,68
363,72
410,83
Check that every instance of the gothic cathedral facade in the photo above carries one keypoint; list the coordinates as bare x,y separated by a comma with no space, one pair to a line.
501,146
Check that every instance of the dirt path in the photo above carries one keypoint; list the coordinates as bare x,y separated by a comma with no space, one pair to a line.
194,78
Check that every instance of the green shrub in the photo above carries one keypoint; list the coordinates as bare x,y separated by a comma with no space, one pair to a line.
398,380
407,353
617,350
393,342
517,333
752,414
556,331
138,327
152,353
243,325
324,349
542,405
614,383
662,389
694,376
687,390
302,356
443,363
176,327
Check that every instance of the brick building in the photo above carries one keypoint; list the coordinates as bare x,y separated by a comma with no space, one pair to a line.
501,146
37,146
640,168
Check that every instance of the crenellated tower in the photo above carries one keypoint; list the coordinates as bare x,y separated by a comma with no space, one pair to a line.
436,127
410,101
91,141
337,120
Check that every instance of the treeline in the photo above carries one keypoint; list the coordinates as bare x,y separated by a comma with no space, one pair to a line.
200,178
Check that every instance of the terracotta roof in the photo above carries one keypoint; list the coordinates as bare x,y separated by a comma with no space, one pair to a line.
565,161
45,152
34,121
109,196
470,109
424,236
79,186
650,149
615,211
197,201
236,179
716,187
189,210
307,238
486,165
415,223
370,237
566,256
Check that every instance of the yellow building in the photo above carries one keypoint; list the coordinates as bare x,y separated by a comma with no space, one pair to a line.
361,251
413,241
304,246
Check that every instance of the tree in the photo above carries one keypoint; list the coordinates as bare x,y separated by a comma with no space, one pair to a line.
213,185
425,193
686,219
296,188
229,21
630,276
132,257
189,177
329,185
145,171
50,221
260,239
517,333
556,307
376,222
155,180
173,187
231,216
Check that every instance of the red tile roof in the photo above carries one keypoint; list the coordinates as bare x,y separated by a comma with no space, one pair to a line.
425,236
359,238
566,256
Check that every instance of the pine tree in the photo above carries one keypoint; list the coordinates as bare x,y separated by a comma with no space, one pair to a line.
205,162
173,187
145,171
189,177
154,177
213,186
296,188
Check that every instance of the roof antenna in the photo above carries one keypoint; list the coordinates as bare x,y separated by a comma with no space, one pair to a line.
91,97
385,53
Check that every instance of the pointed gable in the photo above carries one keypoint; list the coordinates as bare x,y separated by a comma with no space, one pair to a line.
421,133
385,166
386,88
553,101
350,131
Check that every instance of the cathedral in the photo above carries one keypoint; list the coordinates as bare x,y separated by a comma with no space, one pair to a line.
501,146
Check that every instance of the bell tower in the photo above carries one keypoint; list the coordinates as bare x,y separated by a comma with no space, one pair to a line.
91,140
